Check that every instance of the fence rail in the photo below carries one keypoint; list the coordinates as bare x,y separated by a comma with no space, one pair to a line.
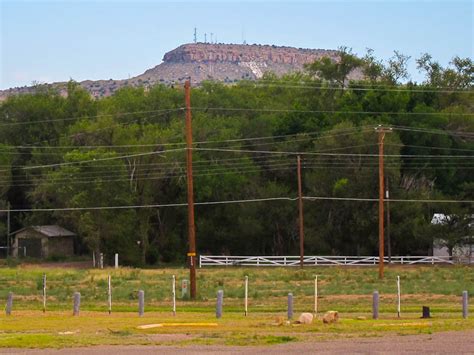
220,260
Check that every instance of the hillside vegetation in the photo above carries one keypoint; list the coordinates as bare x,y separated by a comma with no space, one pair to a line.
63,154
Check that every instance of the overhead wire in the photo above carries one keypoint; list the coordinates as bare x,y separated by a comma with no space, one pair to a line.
253,200
90,116
243,109
355,88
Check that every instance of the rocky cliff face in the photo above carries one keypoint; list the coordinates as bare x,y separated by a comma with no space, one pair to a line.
204,61
236,53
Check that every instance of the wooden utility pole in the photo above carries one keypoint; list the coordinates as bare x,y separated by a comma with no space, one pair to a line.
189,173
300,209
381,131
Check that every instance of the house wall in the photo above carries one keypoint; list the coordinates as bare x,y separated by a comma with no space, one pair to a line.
61,246
28,234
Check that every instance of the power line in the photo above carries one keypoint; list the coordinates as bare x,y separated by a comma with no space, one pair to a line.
240,109
323,135
355,84
431,131
314,198
429,147
352,88
310,198
88,117
96,159
330,154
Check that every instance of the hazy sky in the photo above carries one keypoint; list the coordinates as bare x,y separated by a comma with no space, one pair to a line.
58,40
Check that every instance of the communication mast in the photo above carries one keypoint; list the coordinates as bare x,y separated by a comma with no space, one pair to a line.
195,35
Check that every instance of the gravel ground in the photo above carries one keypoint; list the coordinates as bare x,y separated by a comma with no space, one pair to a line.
439,343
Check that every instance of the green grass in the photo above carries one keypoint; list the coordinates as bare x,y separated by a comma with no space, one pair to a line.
33,329
347,290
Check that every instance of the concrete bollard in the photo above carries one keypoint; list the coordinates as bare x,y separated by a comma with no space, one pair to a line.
8,309
116,261
375,305
290,306
219,303
464,304
77,304
141,303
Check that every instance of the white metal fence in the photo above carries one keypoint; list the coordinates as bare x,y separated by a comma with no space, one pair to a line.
221,260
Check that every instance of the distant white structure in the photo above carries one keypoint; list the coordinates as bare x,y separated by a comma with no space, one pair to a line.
462,252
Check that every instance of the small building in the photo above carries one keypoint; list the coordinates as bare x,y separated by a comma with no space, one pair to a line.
43,242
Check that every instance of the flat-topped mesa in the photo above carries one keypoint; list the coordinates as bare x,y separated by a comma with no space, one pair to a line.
237,53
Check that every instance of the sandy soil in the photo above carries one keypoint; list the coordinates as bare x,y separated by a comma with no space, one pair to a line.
439,343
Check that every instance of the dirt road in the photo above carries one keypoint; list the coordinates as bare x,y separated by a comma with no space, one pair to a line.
439,343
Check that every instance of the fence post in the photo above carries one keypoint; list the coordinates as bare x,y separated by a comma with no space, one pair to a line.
464,304
246,295
109,293
116,261
77,304
290,306
93,259
173,291
375,305
101,260
398,296
44,293
141,302
316,295
8,309
220,299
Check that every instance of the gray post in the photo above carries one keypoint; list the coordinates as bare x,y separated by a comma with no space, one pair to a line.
464,304
116,261
101,260
77,303
184,288
141,302
220,300
8,309
290,305
375,305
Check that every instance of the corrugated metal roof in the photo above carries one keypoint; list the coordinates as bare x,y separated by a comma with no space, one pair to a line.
50,231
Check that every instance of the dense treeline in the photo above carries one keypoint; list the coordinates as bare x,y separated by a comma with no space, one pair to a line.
128,150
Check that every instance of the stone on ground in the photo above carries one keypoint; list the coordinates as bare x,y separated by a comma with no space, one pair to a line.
305,318
330,317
